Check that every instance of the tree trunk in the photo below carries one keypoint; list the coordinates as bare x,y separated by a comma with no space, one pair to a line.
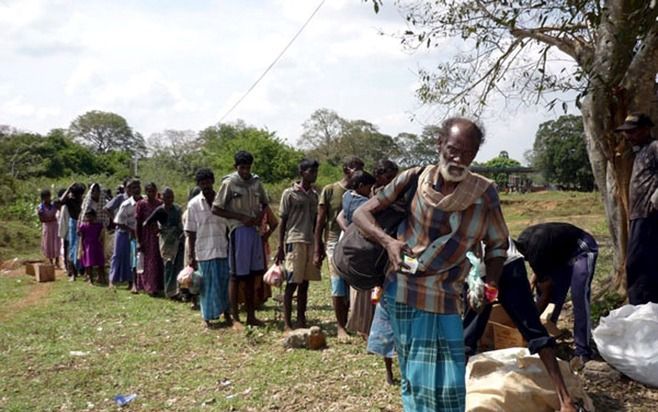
612,163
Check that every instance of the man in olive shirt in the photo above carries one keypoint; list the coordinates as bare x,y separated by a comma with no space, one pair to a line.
331,203
298,210
242,200
641,267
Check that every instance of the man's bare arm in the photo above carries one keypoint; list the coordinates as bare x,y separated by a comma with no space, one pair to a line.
320,224
191,253
342,222
494,270
280,253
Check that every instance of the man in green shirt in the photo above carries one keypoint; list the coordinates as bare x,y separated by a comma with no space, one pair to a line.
242,200
298,210
330,205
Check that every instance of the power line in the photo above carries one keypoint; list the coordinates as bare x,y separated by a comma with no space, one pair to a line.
274,62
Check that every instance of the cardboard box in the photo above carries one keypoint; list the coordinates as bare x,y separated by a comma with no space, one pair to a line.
505,334
29,269
498,315
30,266
44,272
507,337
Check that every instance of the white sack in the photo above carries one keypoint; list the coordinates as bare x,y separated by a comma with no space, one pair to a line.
628,340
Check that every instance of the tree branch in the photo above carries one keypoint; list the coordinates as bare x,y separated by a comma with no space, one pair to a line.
566,45
645,59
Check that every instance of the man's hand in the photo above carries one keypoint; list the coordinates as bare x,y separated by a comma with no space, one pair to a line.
193,263
395,248
280,255
318,257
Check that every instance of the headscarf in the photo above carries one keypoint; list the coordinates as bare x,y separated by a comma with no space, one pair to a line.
99,206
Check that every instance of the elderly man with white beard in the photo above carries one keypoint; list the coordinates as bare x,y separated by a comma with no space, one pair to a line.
450,213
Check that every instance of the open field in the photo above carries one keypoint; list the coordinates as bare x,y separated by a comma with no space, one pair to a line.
72,346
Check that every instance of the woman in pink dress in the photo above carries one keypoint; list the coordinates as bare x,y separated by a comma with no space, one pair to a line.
93,251
148,244
47,212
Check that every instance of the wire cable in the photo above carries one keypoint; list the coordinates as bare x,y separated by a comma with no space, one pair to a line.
273,63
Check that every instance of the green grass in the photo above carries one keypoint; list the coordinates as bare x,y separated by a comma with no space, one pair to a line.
19,239
161,351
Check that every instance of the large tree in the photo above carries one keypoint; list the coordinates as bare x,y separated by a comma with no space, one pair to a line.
105,132
176,149
560,154
329,137
274,160
502,161
322,131
603,51
416,150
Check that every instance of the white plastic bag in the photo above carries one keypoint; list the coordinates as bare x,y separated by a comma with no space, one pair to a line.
190,279
184,277
475,283
627,339
274,275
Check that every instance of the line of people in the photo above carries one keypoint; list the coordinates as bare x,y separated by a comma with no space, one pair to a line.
419,311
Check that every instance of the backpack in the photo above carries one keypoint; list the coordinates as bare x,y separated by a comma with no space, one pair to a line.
361,262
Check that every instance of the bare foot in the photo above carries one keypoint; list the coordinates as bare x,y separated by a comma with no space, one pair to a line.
342,335
237,325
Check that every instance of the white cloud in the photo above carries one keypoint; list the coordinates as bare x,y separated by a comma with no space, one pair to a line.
181,65
18,107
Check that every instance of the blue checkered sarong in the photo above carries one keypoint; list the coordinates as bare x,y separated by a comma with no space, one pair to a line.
430,350
214,288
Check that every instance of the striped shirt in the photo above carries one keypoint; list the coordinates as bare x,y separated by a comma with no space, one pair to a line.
211,241
440,230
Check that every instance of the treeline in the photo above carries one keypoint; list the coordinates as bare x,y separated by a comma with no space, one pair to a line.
102,147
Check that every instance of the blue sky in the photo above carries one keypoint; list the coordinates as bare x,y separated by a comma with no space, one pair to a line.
183,64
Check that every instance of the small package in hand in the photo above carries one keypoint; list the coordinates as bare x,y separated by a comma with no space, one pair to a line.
274,275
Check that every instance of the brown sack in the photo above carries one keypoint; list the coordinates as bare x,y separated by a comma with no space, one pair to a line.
510,380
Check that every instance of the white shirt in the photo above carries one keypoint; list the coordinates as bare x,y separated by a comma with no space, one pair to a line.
211,241
127,214
512,253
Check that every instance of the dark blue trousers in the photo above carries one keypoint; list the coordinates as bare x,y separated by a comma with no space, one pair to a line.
577,275
642,260
516,298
